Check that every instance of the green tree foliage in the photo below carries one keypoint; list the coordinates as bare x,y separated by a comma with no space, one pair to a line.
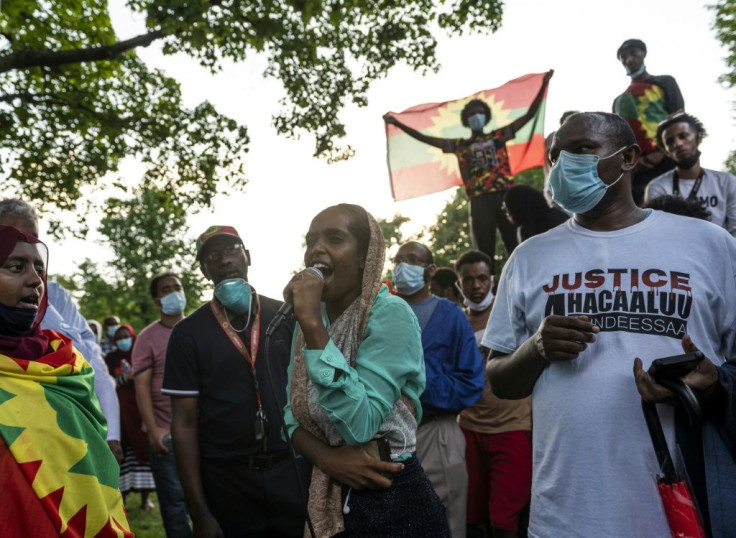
75,100
146,234
391,230
725,26
450,235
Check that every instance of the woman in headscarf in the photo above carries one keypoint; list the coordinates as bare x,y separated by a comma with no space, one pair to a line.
135,473
356,374
58,474
527,209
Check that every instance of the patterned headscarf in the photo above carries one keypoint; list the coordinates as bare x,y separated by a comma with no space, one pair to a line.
34,344
347,333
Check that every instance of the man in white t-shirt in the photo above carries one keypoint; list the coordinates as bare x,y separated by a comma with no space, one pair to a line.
576,305
680,137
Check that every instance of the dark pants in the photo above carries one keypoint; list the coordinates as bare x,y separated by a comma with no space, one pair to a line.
171,500
256,503
485,216
410,508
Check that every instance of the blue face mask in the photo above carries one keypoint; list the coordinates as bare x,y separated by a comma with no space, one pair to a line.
234,294
477,121
124,344
574,181
111,330
408,279
638,72
174,303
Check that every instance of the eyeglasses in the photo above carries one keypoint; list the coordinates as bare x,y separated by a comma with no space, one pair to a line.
215,256
411,260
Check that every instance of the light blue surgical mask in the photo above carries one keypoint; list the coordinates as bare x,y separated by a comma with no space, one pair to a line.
574,181
234,294
124,344
111,330
477,121
408,279
174,303
638,72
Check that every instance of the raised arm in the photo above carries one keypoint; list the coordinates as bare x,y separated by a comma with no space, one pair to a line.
520,122
446,145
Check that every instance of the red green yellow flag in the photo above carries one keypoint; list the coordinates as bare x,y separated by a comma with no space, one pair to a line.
416,168
53,449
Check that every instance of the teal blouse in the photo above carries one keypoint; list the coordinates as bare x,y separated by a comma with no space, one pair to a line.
389,362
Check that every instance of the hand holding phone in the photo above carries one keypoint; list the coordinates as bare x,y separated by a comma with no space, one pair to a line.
675,367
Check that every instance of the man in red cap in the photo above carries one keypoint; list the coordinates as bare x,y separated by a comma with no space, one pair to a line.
227,392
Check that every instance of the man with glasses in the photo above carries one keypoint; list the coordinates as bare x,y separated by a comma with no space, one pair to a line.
227,392
455,379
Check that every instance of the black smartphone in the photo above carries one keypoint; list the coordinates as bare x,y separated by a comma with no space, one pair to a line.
379,448
676,366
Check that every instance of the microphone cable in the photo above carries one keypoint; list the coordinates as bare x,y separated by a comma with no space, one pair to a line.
285,432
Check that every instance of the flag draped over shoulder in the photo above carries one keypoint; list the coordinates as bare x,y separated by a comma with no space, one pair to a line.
416,168
54,460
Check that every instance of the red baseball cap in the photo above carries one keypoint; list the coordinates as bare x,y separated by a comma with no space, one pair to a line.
214,231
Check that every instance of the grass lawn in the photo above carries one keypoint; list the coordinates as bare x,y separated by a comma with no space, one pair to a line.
145,524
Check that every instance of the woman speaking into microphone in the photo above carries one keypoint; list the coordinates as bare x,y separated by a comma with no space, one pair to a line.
356,374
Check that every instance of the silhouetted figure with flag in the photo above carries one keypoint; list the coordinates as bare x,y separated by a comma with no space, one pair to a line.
484,167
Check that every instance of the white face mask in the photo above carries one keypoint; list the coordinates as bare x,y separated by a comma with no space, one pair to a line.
481,306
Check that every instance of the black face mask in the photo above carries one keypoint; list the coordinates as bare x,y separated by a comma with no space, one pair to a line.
688,162
15,321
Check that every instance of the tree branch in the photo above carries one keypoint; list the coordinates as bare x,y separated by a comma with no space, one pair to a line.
47,58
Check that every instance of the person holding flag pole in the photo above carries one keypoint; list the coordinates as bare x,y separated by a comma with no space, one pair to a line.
483,160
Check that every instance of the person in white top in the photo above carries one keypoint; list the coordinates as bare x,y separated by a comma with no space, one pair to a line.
680,137
576,306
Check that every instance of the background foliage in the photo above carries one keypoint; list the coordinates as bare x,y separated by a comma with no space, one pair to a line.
76,100
146,234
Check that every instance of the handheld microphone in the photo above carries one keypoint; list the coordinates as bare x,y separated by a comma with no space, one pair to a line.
287,308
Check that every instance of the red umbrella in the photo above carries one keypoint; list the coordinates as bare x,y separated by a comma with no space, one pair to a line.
677,500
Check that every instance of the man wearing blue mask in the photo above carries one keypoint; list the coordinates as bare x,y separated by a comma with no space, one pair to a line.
484,167
226,401
648,100
109,326
148,363
454,369
616,286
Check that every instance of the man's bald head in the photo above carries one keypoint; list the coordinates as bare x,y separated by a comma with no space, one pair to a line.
617,132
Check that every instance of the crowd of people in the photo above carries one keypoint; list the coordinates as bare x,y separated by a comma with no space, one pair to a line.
439,403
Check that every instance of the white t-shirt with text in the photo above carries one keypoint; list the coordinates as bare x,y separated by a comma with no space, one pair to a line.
646,286
717,194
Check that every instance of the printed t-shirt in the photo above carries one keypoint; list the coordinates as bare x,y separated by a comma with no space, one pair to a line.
645,286
202,362
484,162
645,103
149,351
717,194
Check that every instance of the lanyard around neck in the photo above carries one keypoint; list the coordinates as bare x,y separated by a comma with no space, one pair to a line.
693,191
234,337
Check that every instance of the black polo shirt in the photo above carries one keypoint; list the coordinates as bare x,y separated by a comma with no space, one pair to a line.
202,362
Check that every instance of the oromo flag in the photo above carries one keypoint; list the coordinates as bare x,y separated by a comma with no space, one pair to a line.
416,168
